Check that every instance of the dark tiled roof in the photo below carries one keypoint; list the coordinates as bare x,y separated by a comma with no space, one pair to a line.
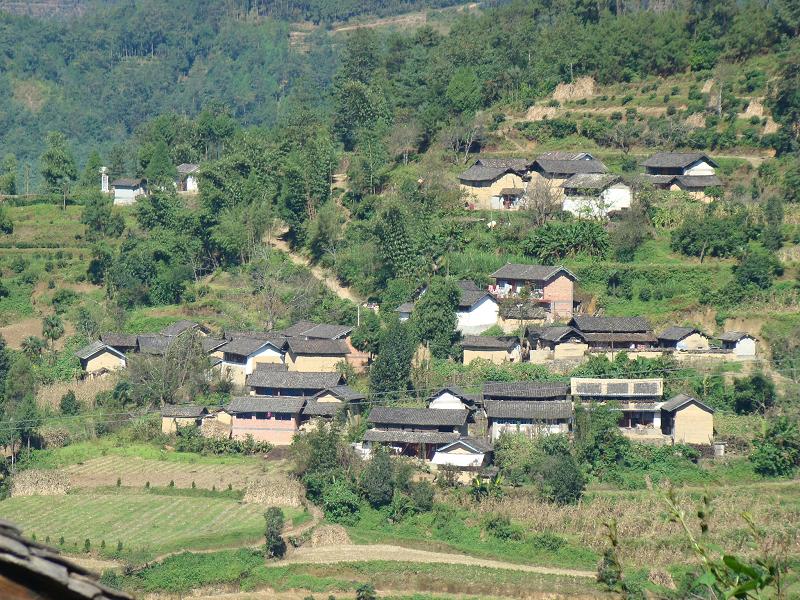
556,334
293,380
210,344
345,392
127,182
470,298
611,324
512,192
154,343
275,404
93,348
734,336
570,167
45,572
410,437
466,285
675,160
296,329
698,181
179,327
529,272
480,173
505,409
186,168
119,340
318,347
458,392
676,334
186,411
405,307
660,179
313,330
590,181
486,342
564,155
417,416
518,164
624,337
315,408
682,400
529,310
245,346
473,443
269,336
524,390
272,366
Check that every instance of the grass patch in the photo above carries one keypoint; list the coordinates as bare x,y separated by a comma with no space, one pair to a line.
179,492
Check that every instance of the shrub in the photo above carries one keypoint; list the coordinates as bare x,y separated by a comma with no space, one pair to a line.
377,480
644,294
549,542
119,481
69,404
561,479
501,528
777,452
87,545
275,546
422,494
366,592
340,503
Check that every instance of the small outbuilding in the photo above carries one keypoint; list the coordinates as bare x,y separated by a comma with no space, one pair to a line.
684,338
687,420
187,178
98,358
465,452
128,190
495,349
181,415
739,342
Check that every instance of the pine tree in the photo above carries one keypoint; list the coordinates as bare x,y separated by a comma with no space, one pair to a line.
390,374
396,247
160,171
90,177
434,317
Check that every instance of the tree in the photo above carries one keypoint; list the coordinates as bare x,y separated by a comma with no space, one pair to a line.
434,317
464,91
396,245
366,336
100,219
20,381
52,328
340,503
118,162
791,182
753,394
6,224
785,100
275,546
32,347
27,417
58,165
368,169
86,323
325,232
777,451
772,234
631,232
366,591
561,480
541,201
160,172
377,479
390,374
8,175
404,139
90,178
69,404
757,267
5,365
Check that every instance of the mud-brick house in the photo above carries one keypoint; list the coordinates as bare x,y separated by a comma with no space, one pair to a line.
98,358
530,417
595,195
561,341
273,382
552,169
266,418
615,333
331,402
315,354
241,356
307,329
741,343
687,420
184,326
187,178
181,415
690,172
683,338
494,183
550,287
128,190
495,349
415,431
525,390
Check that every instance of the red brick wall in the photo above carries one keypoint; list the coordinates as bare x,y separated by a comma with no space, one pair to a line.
279,433
560,292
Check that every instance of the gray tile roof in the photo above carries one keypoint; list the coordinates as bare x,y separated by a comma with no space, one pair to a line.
564,155
405,307
90,349
660,179
271,336
487,342
179,327
532,410
245,346
466,285
587,324
529,272
518,164
344,391
186,411
676,334
470,298
317,346
46,573
210,344
621,338
472,443
556,334
293,380
410,437
734,336
313,330
698,181
480,173
569,167
590,181
315,408
387,415
187,168
296,329
131,182
154,343
119,340
682,400
676,160
274,404
458,392
524,390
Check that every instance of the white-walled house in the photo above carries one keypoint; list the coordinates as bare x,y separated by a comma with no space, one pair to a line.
128,190
529,417
477,309
684,338
741,343
452,398
467,452
594,195
240,357
187,178
690,172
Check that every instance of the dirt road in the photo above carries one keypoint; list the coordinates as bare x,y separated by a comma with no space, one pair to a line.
361,553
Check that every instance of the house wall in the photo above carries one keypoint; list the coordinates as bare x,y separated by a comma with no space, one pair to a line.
699,167
235,372
615,197
309,364
447,401
480,197
494,356
224,417
548,179
274,431
570,350
104,360
560,292
696,341
478,318
693,425
745,347
123,196
459,458
529,429
170,425
191,184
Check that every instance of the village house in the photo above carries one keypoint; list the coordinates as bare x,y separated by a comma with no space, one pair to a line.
477,309
553,169
98,358
467,454
274,382
452,398
495,349
683,338
494,183
124,342
128,190
240,357
315,354
414,431
615,333
154,344
181,415
595,195
524,390
690,172
686,420
555,342
266,418
742,344
530,417
330,402
307,329
181,327
639,401
550,287
187,178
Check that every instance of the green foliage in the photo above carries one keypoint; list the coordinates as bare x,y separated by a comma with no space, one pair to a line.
99,218
275,546
714,234
757,267
391,372
57,164
561,479
377,479
434,317
500,527
69,404
340,503
557,240
366,336
777,451
6,224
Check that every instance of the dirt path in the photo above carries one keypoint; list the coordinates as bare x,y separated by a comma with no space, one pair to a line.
362,553
329,280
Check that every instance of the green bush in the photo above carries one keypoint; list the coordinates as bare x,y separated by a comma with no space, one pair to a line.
340,503
561,479
377,479
275,546
777,452
501,528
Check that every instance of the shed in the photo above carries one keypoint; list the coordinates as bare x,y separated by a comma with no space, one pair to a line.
187,178
128,190
683,338
97,358
466,452
495,349
687,420
181,415
741,343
